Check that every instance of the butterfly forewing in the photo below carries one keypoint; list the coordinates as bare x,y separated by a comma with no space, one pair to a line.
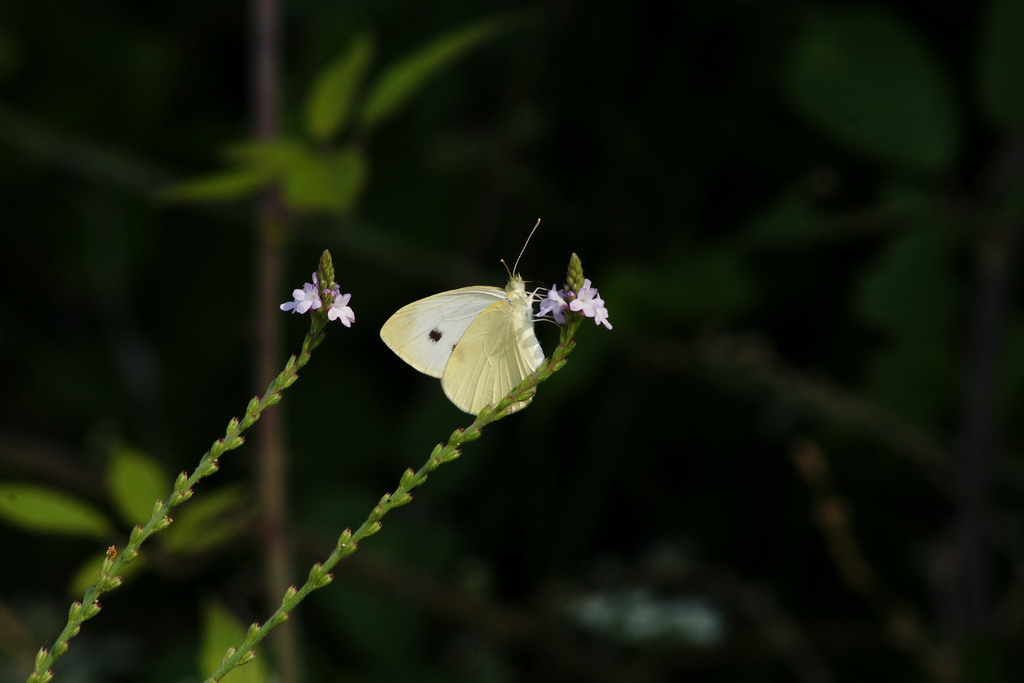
425,332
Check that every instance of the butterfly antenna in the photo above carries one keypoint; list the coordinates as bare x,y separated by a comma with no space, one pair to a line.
516,266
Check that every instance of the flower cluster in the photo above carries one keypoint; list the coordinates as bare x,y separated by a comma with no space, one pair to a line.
588,302
308,299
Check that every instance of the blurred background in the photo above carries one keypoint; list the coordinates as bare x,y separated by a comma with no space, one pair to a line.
797,456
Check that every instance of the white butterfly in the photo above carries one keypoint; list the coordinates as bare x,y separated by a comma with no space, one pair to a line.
478,340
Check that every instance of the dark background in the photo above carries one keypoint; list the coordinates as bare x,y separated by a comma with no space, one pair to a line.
797,456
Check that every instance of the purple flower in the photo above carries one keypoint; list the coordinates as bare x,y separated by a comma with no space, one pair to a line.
555,304
340,309
590,303
304,299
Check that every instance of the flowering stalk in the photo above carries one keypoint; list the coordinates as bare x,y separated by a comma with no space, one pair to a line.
578,297
110,578
348,542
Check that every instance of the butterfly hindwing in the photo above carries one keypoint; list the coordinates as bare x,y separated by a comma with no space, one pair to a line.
425,332
496,352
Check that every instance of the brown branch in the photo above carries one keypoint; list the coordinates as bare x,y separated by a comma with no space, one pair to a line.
833,516
979,441
270,236
50,461
755,359
777,627
16,640
82,156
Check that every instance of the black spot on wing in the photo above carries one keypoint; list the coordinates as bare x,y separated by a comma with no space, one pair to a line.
434,335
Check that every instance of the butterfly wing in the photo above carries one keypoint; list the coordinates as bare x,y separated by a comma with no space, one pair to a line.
425,332
496,352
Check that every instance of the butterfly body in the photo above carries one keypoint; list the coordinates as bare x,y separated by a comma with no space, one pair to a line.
478,340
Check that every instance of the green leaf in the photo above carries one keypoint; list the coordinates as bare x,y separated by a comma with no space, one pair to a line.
206,521
402,80
912,290
332,93
256,163
268,156
11,54
220,631
792,219
870,82
713,283
136,482
89,571
1001,64
324,182
984,661
915,380
225,185
47,511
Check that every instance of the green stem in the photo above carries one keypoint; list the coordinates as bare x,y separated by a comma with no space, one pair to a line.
348,542
110,578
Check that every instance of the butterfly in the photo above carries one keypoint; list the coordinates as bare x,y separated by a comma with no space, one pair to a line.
478,340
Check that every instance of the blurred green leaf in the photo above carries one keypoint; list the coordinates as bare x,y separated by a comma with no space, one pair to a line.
1001,64
269,156
332,93
870,82
89,571
791,219
325,182
225,185
206,521
44,510
986,662
707,283
136,483
221,630
401,81
10,54
911,290
256,164
917,381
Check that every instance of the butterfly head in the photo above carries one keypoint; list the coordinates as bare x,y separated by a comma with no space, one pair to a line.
515,290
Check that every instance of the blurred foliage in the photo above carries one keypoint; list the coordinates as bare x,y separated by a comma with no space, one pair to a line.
804,219
136,482
39,509
318,180
870,82
221,631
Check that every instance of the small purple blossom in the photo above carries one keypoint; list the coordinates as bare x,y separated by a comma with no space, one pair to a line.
590,303
304,299
555,304
308,299
340,310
